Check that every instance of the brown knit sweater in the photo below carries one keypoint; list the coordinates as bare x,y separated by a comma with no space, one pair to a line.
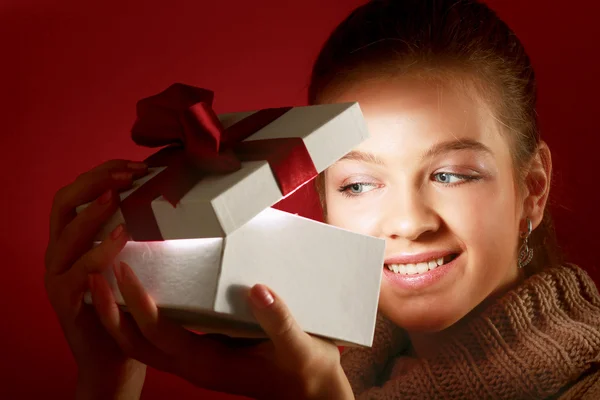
539,341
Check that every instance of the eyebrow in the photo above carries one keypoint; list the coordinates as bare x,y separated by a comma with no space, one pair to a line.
456,145
436,150
356,155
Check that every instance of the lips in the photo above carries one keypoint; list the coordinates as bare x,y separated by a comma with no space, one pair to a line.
419,257
419,263
420,268
408,278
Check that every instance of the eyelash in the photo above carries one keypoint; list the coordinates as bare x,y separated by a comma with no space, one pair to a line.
345,189
464,179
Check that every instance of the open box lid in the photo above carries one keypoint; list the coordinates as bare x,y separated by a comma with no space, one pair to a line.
220,204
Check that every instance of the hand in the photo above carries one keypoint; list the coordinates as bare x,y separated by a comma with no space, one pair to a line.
291,365
103,369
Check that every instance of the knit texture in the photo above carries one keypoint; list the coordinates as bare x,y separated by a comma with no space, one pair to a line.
538,341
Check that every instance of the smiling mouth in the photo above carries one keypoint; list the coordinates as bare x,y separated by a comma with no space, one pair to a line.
422,267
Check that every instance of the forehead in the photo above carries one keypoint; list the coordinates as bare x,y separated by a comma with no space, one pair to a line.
410,115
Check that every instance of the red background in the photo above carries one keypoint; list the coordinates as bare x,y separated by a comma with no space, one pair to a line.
70,74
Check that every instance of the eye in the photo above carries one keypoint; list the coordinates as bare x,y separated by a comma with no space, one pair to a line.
358,188
448,178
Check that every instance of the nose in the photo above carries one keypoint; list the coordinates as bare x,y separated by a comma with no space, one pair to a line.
408,216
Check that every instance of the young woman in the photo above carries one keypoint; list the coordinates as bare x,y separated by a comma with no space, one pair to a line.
475,302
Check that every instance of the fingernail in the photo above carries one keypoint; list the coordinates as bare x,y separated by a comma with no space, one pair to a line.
116,233
122,176
136,165
261,296
105,198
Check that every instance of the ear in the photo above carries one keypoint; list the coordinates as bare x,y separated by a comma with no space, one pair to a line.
537,185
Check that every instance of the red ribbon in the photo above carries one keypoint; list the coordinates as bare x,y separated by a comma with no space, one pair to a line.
182,119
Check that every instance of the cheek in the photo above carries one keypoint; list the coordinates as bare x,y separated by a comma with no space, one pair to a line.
484,219
351,214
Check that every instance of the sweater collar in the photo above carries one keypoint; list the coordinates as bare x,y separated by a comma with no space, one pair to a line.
532,342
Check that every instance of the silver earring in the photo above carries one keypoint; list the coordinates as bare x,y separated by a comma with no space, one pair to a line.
526,252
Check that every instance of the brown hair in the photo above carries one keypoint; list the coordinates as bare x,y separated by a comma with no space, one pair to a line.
437,39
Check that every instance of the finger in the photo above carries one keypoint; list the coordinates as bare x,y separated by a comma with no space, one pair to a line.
78,236
96,260
278,323
88,186
123,329
164,334
207,362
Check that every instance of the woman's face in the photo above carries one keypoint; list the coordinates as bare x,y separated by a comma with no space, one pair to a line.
436,181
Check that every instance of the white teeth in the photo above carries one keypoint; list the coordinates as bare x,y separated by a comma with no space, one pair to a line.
413,269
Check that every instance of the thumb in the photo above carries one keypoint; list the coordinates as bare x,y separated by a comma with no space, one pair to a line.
278,323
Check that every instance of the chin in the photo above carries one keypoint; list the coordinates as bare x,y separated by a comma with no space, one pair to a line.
423,325
425,319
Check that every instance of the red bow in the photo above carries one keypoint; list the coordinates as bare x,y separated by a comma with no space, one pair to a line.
183,115
182,118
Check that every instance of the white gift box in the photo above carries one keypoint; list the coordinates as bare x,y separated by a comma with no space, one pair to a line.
223,237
